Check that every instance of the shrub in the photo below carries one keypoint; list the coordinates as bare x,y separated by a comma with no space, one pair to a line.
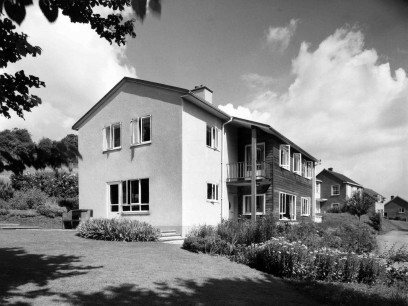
51,211
28,199
59,185
69,203
6,191
117,230
376,221
4,211
4,204
209,244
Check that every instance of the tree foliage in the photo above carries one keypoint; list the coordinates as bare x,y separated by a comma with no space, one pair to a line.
14,89
18,151
359,204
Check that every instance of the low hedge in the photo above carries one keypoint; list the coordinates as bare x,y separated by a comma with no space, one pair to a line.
117,230
51,211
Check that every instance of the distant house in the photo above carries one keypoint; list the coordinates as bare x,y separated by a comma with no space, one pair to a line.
396,208
335,189
166,155
378,198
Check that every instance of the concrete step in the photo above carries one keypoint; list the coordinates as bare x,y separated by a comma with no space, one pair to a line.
168,233
16,227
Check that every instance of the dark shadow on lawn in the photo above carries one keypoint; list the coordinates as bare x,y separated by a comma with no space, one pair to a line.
19,268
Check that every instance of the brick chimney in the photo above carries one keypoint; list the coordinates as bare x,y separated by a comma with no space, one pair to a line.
330,169
392,197
203,92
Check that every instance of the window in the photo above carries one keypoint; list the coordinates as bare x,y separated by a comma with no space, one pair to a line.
309,169
212,137
135,195
305,207
284,156
212,192
114,197
335,190
318,189
111,136
335,205
401,210
260,204
141,130
287,206
297,163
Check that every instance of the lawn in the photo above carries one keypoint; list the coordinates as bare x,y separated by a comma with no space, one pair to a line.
44,267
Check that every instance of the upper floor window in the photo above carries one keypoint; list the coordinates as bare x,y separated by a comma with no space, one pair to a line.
284,156
212,192
297,163
260,204
305,207
287,206
335,190
141,130
401,210
112,136
318,186
309,169
212,137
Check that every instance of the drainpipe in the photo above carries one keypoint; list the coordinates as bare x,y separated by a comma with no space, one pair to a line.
313,208
222,162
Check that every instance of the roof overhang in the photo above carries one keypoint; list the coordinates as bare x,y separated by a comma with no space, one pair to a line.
192,98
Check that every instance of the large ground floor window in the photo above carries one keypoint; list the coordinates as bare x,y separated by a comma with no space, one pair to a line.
260,204
287,206
129,196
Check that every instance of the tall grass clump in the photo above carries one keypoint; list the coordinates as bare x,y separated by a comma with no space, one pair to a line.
117,230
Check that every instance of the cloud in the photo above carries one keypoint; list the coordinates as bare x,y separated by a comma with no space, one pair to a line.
345,108
279,37
78,68
254,80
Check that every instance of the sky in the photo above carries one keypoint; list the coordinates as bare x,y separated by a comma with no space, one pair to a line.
331,75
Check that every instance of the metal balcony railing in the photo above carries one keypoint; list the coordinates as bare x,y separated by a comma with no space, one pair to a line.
243,171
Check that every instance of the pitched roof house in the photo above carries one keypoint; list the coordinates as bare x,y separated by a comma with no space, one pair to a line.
396,208
167,156
377,198
335,189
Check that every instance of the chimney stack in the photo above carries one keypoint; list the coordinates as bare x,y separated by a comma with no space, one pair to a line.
392,197
203,92
330,169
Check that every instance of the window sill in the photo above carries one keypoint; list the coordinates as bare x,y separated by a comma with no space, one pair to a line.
128,213
140,144
303,215
112,150
213,201
214,149
284,168
258,214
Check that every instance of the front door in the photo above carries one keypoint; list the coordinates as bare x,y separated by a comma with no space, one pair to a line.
113,199
260,158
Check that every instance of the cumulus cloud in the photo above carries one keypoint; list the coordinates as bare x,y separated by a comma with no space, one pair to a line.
345,108
77,66
279,37
254,80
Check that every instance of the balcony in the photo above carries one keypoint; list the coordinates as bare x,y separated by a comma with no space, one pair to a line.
240,174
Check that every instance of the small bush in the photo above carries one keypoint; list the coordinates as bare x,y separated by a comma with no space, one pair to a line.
23,213
4,211
51,211
4,204
117,230
6,191
28,199
69,203
376,221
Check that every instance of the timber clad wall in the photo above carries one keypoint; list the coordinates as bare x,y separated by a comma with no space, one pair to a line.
282,180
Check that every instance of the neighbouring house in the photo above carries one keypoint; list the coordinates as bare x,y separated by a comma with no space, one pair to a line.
378,200
396,208
166,155
336,188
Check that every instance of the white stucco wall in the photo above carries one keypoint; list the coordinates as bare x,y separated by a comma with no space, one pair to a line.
159,161
230,153
201,165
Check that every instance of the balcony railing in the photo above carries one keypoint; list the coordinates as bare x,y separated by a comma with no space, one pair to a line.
242,171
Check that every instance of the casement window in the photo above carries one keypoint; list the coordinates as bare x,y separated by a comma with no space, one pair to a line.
401,210
287,206
114,197
305,206
247,204
335,205
309,169
335,190
284,156
135,195
212,137
212,192
141,130
112,136
297,163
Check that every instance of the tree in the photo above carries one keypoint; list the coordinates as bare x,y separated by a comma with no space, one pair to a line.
14,89
17,150
359,204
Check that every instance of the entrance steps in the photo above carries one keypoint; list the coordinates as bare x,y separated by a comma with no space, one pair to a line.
171,237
